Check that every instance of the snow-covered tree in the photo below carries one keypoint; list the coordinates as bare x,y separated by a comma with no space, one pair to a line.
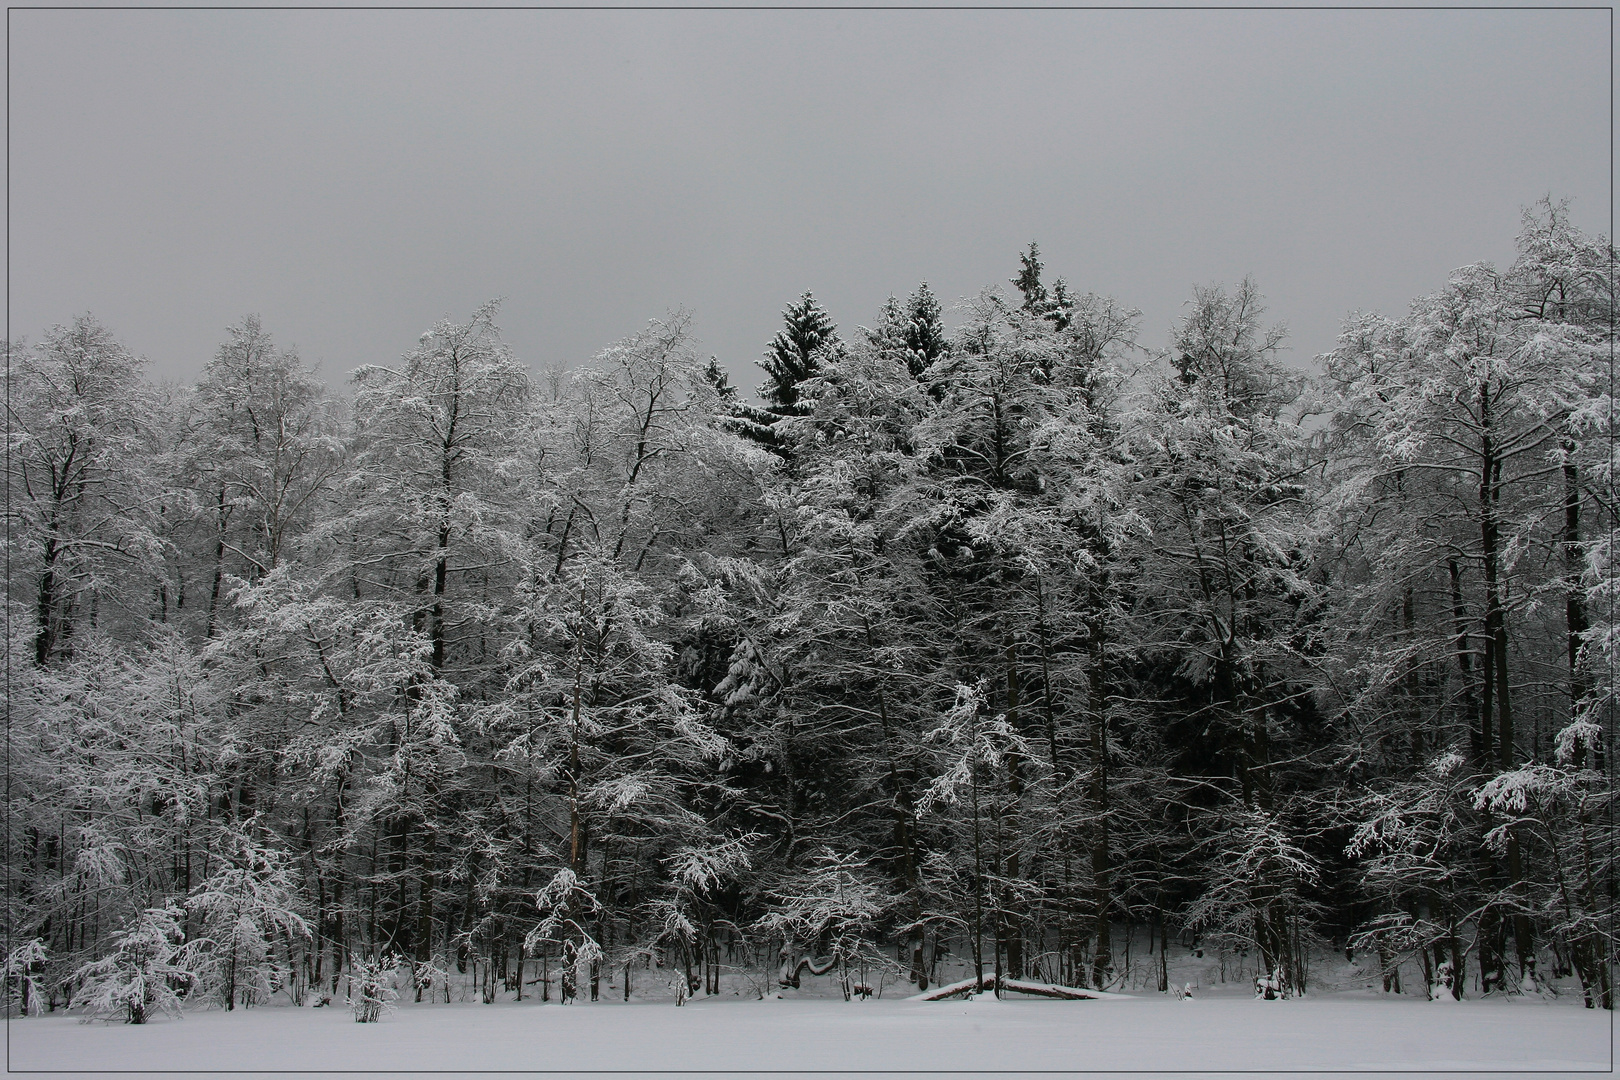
149,966
799,353
1462,434
371,987
263,450
831,907
1256,896
247,908
24,972
686,913
1004,639
81,431
567,916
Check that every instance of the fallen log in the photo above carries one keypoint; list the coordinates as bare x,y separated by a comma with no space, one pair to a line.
1018,986
1068,993
966,986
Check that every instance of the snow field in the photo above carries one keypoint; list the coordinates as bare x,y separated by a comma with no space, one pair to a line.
1151,1032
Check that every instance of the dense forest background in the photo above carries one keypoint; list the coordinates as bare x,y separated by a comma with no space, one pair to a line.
994,642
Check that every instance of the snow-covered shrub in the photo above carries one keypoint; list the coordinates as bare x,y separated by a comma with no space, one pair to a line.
1553,814
1393,938
24,973
371,988
429,976
1443,988
246,904
565,907
1255,897
833,906
151,966
686,913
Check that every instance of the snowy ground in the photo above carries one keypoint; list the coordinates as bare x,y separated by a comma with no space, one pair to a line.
1150,1032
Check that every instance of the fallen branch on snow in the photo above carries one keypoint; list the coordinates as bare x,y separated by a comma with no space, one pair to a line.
971,986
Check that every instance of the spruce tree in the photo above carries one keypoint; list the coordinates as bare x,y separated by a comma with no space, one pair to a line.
715,376
1060,312
924,331
799,352
796,354
1056,307
888,338
1028,280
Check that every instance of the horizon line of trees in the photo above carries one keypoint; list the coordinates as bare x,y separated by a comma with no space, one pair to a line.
996,641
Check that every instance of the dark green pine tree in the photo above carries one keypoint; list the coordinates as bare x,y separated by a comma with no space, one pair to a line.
1028,280
924,333
1060,311
715,376
796,354
1057,307
888,338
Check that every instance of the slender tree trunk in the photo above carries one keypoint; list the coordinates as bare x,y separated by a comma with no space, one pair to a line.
1009,912
424,913
1478,744
978,884
1575,620
905,825
576,849
1410,679
219,563
441,572
1101,860
45,634
1497,647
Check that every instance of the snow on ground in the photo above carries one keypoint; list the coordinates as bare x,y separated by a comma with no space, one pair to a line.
1149,1032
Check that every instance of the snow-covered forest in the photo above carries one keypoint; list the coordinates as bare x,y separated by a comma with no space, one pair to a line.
987,638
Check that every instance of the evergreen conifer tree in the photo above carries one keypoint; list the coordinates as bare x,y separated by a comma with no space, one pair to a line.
1056,307
1028,280
1060,312
924,331
798,353
888,338
716,377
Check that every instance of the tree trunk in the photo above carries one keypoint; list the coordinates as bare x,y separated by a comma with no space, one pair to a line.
1410,679
1497,648
1101,861
1479,746
219,563
441,572
1011,921
978,882
1575,620
45,635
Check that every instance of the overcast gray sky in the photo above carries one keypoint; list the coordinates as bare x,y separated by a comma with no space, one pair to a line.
353,176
